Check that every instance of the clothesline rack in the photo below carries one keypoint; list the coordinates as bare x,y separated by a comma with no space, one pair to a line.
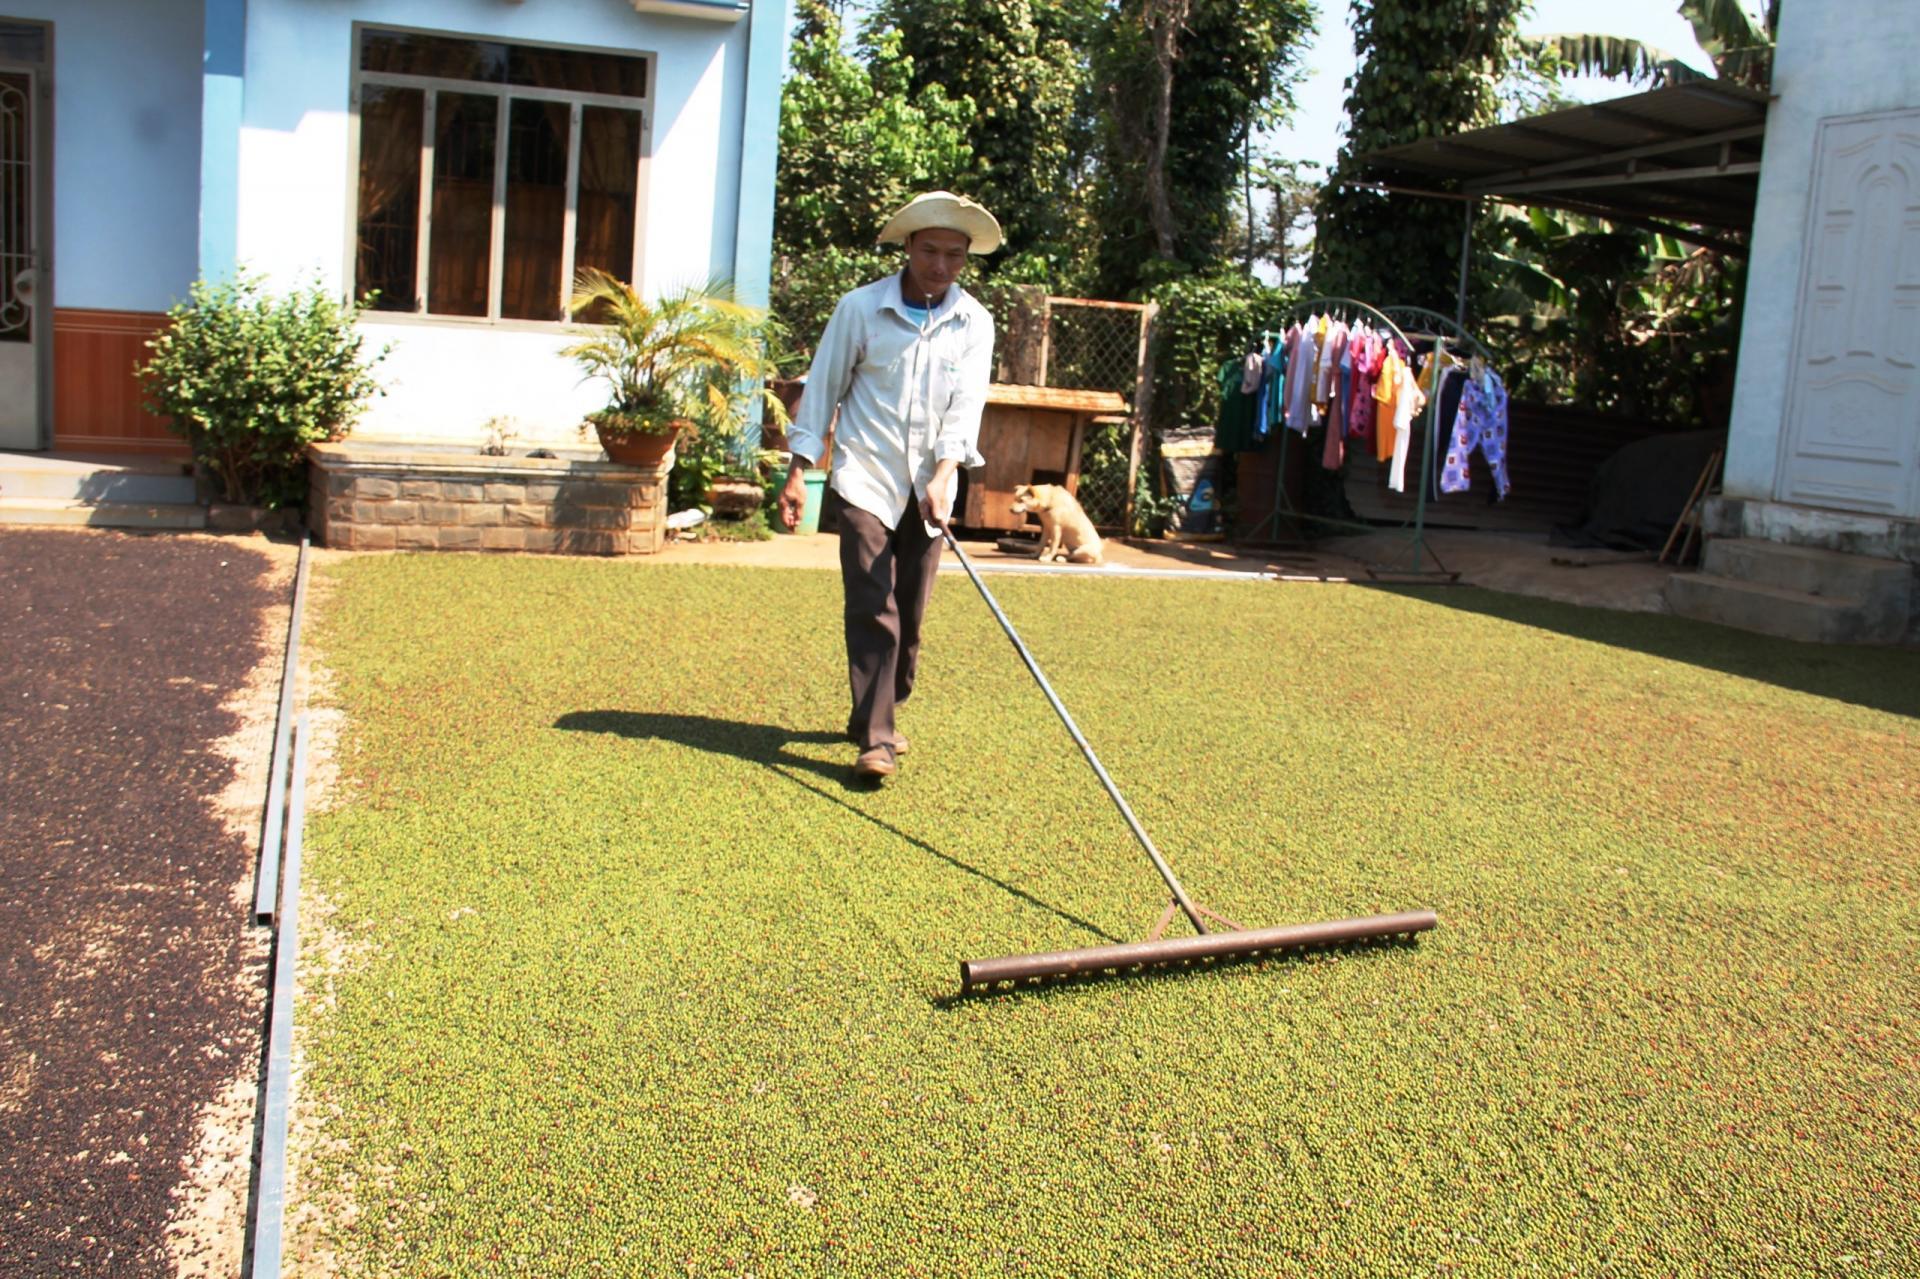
1417,328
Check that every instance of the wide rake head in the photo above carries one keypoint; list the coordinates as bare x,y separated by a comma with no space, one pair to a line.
1132,957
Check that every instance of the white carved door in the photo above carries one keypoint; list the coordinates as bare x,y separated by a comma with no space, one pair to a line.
21,321
1852,437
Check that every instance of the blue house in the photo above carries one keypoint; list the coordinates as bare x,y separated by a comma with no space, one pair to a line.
461,158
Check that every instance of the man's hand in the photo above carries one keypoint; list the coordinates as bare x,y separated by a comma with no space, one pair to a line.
936,508
793,497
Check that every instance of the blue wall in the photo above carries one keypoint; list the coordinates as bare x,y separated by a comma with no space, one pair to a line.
445,379
126,149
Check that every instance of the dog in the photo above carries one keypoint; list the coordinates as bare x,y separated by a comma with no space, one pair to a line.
1065,531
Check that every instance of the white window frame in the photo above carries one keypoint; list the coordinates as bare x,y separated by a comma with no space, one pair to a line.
432,87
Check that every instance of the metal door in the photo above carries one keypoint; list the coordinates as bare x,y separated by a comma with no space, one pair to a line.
1852,437
22,324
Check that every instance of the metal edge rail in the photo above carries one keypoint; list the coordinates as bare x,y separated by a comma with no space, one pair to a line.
270,1199
267,880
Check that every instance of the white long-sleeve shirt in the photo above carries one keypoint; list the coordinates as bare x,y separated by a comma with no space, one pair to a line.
909,395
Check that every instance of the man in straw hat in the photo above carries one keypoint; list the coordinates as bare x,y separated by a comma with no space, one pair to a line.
905,363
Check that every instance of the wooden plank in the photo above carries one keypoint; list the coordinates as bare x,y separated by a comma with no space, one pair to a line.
1142,407
1096,302
97,399
1017,443
1004,440
1050,397
1076,441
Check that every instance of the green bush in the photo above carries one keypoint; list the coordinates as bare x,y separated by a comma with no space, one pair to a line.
1203,320
806,288
251,379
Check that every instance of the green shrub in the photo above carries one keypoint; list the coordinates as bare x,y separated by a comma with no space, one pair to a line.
806,288
1203,320
251,379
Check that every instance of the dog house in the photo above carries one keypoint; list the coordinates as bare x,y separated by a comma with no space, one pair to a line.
1034,435
1061,407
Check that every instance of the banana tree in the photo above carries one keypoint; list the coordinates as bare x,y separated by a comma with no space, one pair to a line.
1739,42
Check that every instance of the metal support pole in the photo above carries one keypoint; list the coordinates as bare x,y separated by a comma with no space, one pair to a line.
1466,251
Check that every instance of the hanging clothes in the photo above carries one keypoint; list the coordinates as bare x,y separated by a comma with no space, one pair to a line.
1452,383
1276,418
1481,424
1300,368
1333,342
1272,389
1386,396
1233,425
1333,453
1408,400
1250,369
1367,358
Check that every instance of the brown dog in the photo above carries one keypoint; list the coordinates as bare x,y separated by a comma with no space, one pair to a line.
1065,531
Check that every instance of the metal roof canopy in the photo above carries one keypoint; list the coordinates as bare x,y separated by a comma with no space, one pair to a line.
1686,153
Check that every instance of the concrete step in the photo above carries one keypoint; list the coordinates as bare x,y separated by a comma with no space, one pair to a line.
1776,610
1808,569
146,481
55,511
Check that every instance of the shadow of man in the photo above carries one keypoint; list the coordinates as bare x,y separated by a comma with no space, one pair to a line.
765,744
768,745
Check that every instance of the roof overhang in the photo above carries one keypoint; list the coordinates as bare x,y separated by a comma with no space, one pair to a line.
1686,154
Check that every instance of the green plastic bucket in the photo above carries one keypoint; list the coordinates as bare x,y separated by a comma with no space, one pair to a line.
816,482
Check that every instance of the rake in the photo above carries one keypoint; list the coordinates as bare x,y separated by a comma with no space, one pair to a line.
1229,941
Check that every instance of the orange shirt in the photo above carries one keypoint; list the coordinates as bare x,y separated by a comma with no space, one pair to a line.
1386,393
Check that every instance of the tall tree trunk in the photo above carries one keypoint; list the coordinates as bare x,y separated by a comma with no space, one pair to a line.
1164,19
1246,179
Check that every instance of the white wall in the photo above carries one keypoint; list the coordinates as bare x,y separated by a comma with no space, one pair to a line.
445,380
1834,58
126,149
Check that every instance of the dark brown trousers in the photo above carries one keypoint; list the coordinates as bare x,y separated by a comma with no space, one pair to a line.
887,575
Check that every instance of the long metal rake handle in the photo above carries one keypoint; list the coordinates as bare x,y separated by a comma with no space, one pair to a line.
1079,739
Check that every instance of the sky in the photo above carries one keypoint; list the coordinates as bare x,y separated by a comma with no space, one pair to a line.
1314,132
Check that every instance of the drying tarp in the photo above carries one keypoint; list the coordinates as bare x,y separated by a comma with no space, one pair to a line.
1640,490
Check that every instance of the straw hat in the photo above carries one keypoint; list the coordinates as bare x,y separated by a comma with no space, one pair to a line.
945,211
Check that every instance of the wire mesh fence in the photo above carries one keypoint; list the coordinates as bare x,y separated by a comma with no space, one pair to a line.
1076,344
1103,472
1071,344
1092,346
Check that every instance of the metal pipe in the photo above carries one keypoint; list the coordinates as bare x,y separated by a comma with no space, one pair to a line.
267,881
270,1198
1130,955
1113,792
1466,253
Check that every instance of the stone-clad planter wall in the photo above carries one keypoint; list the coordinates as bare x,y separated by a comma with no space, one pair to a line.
383,497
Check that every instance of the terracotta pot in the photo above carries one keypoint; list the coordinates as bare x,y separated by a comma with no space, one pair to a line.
734,496
789,390
636,448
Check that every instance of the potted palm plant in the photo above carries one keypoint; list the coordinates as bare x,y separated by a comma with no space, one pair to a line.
668,363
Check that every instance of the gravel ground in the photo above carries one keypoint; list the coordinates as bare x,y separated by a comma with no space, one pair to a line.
130,977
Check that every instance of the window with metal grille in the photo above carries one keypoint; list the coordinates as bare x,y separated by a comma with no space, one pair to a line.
490,173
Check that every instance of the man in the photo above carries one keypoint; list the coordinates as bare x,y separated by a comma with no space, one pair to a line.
905,363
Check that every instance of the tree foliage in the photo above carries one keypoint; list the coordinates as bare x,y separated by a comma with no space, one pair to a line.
1616,320
1022,66
1426,70
858,137
857,140
1182,83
